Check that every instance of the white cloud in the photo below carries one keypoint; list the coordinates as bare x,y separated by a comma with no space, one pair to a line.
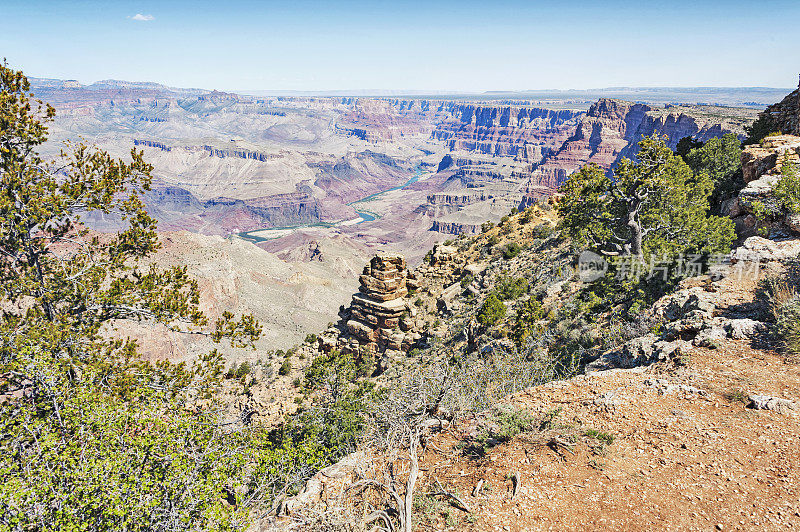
142,18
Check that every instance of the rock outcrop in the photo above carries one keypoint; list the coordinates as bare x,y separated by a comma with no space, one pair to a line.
376,310
785,115
378,319
756,210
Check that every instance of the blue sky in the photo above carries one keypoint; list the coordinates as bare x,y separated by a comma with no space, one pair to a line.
448,45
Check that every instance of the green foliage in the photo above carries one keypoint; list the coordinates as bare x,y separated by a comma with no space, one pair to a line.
685,145
511,422
655,206
341,397
311,339
599,435
91,436
542,231
761,128
492,311
783,302
528,215
244,369
511,250
720,159
492,241
508,287
654,209
286,367
528,318
98,466
787,189
503,426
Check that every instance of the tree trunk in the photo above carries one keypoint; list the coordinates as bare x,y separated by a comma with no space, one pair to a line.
636,227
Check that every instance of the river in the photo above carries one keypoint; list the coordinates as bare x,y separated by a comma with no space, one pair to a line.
366,216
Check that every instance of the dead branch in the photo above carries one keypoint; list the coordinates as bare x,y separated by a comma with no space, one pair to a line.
459,503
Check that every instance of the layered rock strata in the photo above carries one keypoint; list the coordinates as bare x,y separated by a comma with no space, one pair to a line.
377,310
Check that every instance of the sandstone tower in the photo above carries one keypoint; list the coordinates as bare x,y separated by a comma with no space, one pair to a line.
377,310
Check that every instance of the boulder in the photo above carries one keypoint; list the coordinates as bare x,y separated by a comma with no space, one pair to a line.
731,208
677,305
710,337
792,221
740,329
766,402
759,249
759,192
475,268
756,161
442,253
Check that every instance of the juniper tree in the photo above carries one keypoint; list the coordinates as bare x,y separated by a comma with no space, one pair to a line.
91,436
655,205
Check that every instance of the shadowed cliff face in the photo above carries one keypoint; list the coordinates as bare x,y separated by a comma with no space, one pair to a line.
786,113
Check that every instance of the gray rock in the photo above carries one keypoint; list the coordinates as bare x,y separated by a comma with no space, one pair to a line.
740,329
767,402
675,306
666,387
709,337
475,269
759,192
759,249
731,208
639,351
793,222
497,347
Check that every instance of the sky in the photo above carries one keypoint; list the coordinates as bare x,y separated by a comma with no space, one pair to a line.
449,45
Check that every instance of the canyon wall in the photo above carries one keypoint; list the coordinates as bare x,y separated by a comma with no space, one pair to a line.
524,153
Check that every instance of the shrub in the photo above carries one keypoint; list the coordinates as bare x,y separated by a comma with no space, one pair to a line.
285,368
311,339
508,287
543,231
787,325
599,435
527,319
512,422
783,302
721,160
243,370
492,311
787,189
511,250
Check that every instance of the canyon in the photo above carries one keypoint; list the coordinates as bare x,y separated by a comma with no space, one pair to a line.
327,181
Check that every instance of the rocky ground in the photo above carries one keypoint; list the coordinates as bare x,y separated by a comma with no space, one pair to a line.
704,438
